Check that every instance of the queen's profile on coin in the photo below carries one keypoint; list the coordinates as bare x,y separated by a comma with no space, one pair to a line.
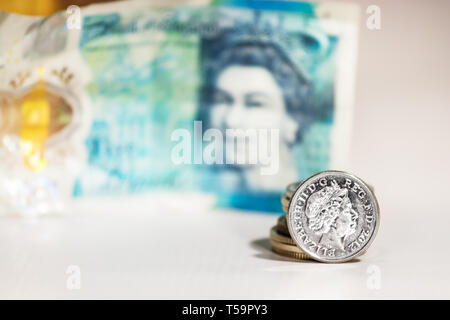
330,215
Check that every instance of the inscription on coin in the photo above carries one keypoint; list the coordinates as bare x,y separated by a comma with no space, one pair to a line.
333,216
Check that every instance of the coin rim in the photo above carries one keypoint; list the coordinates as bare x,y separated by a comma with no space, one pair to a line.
292,255
274,234
285,201
362,248
281,228
286,247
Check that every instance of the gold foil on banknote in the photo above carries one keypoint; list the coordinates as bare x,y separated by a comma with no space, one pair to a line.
35,115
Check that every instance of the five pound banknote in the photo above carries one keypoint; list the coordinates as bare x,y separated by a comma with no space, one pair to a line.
233,98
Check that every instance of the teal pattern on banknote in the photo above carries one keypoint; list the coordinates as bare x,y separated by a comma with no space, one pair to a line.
156,70
161,90
144,86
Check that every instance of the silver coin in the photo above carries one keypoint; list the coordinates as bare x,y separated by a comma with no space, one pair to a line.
333,216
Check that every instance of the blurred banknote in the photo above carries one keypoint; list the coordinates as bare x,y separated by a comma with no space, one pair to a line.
234,98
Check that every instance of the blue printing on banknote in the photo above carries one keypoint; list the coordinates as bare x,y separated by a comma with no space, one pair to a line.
136,172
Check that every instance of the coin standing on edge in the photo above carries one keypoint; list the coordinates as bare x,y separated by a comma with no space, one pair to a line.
333,216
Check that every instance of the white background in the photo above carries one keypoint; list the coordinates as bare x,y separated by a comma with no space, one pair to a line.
158,247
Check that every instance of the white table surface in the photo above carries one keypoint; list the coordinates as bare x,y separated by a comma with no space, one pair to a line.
143,247
150,247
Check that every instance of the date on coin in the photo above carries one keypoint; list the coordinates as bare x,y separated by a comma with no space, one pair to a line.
333,216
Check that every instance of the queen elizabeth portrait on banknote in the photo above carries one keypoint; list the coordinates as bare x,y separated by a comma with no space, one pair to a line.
264,100
253,85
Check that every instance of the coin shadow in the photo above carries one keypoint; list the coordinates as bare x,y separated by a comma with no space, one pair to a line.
265,252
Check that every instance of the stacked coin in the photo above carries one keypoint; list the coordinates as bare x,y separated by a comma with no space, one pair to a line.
280,239
282,243
354,218
287,196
